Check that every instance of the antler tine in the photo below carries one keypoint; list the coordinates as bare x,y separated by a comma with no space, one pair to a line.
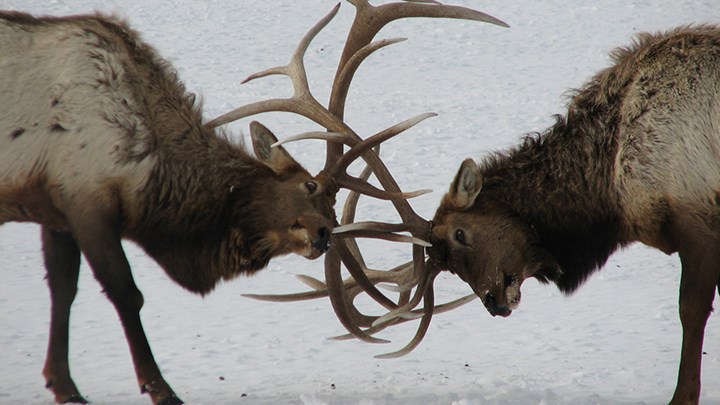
348,217
338,170
354,259
424,282
344,308
340,301
439,309
412,315
429,308
323,135
358,271
343,78
423,1
302,102
378,230
303,296
429,298
398,275
368,22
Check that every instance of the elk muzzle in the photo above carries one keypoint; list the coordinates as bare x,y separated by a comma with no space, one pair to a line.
505,299
310,238
322,242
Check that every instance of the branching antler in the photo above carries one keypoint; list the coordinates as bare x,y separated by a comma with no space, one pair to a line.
413,228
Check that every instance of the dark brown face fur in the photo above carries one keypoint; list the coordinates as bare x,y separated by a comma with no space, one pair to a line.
292,211
484,245
301,216
491,253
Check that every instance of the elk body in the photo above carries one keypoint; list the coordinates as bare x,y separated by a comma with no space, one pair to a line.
635,159
99,142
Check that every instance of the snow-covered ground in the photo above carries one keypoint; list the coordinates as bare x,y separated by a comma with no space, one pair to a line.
616,341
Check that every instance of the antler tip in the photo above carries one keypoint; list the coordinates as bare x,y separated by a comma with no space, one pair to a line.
393,355
369,339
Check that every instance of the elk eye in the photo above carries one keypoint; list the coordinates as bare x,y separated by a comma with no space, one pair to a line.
311,187
460,237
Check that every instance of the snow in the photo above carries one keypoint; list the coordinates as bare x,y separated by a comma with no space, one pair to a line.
615,341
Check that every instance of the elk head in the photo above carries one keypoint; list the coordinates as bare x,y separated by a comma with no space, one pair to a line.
484,245
344,250
302,214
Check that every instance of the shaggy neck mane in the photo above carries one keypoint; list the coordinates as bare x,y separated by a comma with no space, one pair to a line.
193,205
559,184
196,199
202,186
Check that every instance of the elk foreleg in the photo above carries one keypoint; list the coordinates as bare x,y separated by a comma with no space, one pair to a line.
62,262
101,243
700,271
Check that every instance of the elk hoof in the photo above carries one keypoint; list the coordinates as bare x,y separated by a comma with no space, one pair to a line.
65,392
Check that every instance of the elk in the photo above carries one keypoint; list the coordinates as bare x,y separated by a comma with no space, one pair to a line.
100,142
636,158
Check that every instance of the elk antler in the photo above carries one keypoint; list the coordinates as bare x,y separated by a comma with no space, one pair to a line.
358,46
304,103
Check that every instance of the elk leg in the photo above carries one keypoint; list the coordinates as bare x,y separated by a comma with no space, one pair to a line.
62,263
700,271
101,244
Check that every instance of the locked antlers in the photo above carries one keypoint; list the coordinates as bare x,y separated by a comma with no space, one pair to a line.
368,21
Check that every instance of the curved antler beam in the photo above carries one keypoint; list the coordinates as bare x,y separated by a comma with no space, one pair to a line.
367,23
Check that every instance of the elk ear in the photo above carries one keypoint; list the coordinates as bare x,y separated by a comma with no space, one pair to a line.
277,158
466,186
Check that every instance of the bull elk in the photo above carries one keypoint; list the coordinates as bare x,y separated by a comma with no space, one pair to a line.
100,141
635,159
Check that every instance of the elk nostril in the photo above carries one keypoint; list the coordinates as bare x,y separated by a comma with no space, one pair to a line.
323,238
490,301
509,279
492,306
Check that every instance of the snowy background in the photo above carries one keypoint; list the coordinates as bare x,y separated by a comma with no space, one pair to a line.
616,341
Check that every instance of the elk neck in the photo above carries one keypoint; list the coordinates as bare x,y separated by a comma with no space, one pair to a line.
201,183
203,186
559,183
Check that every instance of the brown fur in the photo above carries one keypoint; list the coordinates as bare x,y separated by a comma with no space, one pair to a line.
636,158
99,141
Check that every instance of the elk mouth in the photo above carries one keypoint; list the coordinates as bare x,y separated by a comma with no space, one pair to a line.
508,299
322,242
307,246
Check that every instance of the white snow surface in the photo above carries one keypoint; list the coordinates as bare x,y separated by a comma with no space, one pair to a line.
615,341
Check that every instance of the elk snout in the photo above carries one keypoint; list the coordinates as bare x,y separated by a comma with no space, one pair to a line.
508,298
310,239
322,241
494,308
